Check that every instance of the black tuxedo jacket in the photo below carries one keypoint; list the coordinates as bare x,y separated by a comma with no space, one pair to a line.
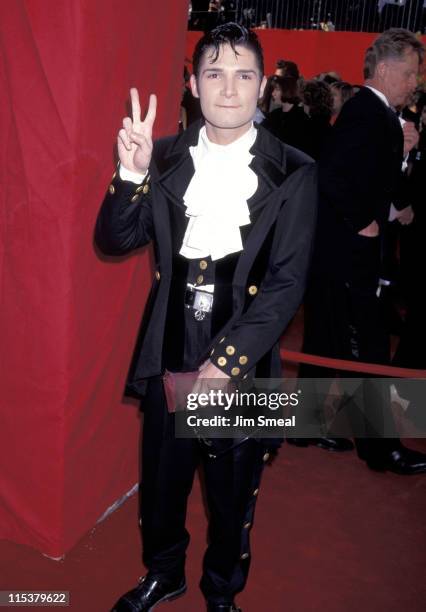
359,176
284,207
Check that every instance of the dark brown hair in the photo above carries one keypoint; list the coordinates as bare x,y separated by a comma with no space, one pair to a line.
227,33
317,96
346,90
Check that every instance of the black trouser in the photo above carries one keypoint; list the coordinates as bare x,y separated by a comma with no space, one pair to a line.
342,320
231,481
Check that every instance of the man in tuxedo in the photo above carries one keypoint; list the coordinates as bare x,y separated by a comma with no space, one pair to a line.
231,214
359,176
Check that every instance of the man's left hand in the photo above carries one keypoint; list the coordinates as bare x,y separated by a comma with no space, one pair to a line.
411,136
208,371
405,216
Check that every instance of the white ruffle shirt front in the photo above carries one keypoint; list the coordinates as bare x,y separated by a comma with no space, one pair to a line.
216,197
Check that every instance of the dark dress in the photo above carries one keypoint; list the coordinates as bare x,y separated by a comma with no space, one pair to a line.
290,127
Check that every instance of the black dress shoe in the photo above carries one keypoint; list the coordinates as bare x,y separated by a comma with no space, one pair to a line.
220,607
400,461
336,445
152,590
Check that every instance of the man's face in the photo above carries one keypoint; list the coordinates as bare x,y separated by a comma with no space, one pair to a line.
228,90
399,77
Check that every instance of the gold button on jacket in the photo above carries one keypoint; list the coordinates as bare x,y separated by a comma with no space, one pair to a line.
203,264
235,371
221,361
111,189
243,359
157,275
230,349
252,290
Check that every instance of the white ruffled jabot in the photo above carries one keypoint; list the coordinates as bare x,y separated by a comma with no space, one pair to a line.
216,197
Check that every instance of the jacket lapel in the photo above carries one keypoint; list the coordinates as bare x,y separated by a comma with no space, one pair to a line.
177,167
269,164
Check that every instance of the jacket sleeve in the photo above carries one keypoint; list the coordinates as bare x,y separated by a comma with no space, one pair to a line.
351,177
282,289
125,220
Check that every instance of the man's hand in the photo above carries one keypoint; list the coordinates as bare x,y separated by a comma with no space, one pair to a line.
208,372
411,136
371,231
134,140
405,216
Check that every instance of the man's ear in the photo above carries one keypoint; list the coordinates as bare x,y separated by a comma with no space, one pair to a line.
381,69
262,86
193,84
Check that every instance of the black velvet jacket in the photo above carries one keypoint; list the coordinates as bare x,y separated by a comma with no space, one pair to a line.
268,276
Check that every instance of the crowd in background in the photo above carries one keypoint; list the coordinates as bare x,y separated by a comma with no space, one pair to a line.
326,15
301,112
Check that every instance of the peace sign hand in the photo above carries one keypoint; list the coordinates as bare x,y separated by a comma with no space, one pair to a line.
134,140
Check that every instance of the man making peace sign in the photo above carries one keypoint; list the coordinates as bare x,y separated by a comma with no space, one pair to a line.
231,213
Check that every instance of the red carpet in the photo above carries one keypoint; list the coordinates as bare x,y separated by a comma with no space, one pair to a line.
329,536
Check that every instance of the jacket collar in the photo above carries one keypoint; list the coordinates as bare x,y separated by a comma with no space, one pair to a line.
269,163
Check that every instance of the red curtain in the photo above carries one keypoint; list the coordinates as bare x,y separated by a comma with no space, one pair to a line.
68,447
313,51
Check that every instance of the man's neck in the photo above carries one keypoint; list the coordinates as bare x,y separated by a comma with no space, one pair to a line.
222,136
377,86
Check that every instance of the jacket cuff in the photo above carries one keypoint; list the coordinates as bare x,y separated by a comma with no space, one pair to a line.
230,360
127,188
